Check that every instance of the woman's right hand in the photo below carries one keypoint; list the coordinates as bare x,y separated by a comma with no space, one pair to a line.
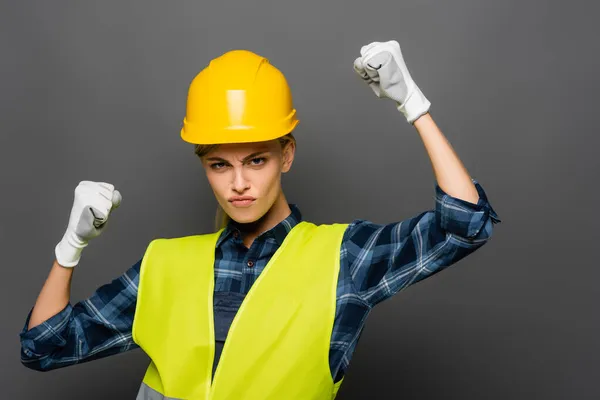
92,206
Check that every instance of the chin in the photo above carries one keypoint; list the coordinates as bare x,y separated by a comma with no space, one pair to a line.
244,215
244,219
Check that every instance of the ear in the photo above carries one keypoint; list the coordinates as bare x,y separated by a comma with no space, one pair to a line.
288,156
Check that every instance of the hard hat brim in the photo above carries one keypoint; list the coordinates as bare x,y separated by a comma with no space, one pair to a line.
235,134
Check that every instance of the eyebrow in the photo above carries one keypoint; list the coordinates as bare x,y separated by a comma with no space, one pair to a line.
248,157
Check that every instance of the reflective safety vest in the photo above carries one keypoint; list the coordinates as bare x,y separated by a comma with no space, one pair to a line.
278,344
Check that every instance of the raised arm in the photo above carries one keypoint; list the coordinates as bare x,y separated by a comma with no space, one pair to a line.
57,334
383,259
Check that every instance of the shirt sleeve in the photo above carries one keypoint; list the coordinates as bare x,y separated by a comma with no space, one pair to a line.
384,259
93,328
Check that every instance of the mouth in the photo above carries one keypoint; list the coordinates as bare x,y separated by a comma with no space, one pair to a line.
243,201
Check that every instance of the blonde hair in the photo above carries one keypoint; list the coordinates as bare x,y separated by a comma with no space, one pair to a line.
221,217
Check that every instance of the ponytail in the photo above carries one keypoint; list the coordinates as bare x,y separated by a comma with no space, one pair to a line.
221,218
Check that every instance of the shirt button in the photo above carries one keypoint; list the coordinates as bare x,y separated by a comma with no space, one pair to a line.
250,264
236,234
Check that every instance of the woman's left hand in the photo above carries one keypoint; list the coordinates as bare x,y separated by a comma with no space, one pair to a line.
382,66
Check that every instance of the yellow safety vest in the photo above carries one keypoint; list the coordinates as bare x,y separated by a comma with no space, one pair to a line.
278,344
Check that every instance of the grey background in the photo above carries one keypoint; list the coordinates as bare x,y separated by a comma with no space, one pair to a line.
97,90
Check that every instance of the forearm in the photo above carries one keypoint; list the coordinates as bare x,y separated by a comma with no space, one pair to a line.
449,171
54,296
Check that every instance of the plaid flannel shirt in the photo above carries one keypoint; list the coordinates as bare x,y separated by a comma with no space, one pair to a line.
377,261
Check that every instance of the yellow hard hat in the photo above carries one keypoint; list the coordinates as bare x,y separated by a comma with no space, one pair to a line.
238,98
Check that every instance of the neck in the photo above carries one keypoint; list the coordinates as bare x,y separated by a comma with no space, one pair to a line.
279,211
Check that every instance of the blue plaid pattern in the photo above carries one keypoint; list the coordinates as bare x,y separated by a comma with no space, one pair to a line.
377,261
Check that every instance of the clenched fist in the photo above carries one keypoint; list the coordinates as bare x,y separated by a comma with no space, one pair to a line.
92,206
382,66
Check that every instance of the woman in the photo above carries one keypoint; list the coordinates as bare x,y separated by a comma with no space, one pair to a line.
291,297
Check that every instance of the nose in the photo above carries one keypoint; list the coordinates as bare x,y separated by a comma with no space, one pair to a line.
240,184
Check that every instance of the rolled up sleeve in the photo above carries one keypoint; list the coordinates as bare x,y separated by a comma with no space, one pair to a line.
41,340
96,327
462,218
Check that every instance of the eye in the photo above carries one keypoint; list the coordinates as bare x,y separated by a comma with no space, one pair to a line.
217,165
258,161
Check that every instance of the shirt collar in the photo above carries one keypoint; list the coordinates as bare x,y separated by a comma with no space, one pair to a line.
278,232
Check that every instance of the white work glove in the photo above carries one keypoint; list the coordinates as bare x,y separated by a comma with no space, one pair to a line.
91,208
382,66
